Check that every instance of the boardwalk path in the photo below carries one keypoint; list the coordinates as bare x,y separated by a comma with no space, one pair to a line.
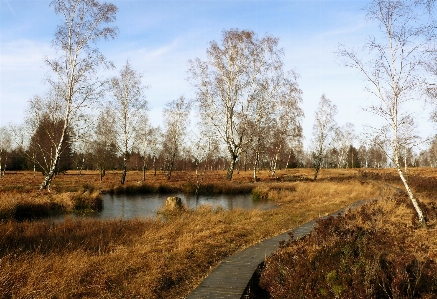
230,278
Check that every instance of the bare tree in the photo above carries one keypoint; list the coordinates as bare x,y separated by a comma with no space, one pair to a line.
199,151
82,142
275,112
343,139
44,127
155,137
323,130
5,147
432,152
176,121
143,140
288,129
129,106
394,71
104,144
77,63
239,79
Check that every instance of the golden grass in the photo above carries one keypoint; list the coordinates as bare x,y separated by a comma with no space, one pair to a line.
22,205
162,258
72,181
13,201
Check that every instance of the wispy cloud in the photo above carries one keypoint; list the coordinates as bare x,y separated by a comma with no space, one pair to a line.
10,8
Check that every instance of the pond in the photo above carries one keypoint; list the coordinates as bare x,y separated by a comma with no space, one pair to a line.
122,206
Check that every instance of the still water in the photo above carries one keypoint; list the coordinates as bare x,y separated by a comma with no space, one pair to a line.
123,206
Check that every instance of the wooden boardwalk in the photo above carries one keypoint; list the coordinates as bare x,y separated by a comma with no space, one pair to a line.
231,277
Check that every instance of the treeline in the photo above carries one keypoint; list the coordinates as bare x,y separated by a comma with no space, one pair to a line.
106,156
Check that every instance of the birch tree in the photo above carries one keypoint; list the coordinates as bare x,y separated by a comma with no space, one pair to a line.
275,111
394,70
5,147
130,105
176,121
432,152
155,137
44,126
78,60
201,149
240,76
288,129
344,137
104,145
143,134
43,150
323,130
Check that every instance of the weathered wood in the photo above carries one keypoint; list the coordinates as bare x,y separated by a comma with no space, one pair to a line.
231,277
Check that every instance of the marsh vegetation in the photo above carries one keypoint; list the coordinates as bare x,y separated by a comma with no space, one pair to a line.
168,256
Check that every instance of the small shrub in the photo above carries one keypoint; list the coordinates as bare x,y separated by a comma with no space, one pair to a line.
260,193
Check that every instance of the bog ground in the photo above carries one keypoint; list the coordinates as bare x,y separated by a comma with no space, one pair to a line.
169,256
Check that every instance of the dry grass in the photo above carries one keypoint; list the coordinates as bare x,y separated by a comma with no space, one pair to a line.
72,181
15,204
35,204
162,258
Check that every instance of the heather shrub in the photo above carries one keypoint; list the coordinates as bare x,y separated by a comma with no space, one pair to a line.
260,193
374,252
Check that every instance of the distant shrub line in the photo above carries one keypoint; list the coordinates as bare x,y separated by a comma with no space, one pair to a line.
187,188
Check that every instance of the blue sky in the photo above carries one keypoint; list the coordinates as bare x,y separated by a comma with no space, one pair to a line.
159,37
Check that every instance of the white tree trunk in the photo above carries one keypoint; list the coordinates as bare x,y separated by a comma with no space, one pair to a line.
231,167
404,181
48,179
55,161
255,166
413,200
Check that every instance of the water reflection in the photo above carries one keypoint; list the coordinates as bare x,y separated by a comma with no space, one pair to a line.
123,206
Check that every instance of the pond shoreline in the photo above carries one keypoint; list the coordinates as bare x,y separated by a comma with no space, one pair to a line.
143,206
